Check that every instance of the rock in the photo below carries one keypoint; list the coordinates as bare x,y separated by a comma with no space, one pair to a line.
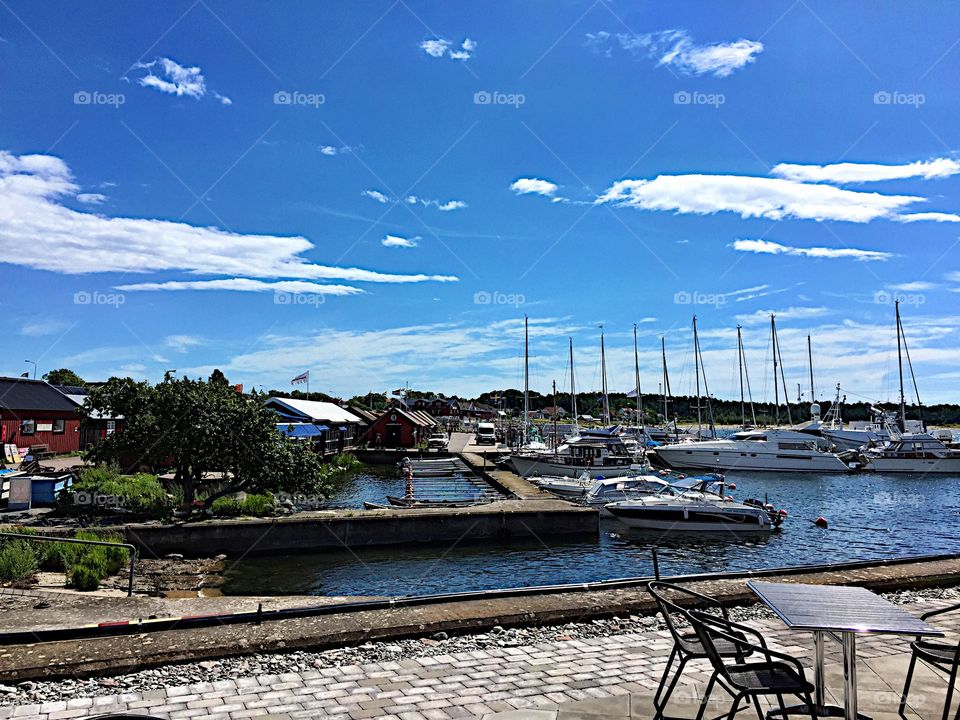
209,664
7,690
27,686
440,636
564,637
173,556
497,630
429,641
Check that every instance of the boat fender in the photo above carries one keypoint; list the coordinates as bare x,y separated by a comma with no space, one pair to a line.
767,506
782,513
732,486
728,498
821,522
681,476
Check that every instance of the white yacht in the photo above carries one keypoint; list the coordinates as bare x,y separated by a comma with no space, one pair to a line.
595,453
911,453
769,450
696,509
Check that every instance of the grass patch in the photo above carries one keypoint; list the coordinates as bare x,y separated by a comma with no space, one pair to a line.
18,560
103,488
255,505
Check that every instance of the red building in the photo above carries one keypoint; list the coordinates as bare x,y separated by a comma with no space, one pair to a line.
438,406
33,413
400,428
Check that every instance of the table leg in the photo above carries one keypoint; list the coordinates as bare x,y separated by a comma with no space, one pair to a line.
850,675
818,675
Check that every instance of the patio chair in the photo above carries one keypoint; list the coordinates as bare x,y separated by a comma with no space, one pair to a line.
686,645
940,655
770,673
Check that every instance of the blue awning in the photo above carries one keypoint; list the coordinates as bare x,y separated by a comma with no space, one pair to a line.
343,428
321,428
299,431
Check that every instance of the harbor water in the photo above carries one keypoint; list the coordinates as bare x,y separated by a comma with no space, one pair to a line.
870,517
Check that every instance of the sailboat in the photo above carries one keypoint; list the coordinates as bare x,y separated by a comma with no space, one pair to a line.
909,452
668,431
773,449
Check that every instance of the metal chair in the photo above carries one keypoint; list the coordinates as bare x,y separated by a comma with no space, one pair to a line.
776,673
940,655
686,645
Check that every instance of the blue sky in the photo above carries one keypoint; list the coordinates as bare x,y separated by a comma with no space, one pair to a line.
379,191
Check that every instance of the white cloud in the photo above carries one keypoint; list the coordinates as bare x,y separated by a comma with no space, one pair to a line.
91,198
399,242
451,205
375,195
914,286
772,198
928,216
868,172
438,47
169,76
676,49
38,231
295,287
767,247
332,150
328,150
442,206
182,343
526,186
42,328
790,313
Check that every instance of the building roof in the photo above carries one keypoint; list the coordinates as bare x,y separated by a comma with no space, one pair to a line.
25,394
314,410
417,417
298,430
363,413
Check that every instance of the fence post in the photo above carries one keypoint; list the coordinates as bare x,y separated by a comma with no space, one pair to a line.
656,562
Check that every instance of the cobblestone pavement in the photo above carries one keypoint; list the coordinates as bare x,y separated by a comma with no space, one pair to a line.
544,678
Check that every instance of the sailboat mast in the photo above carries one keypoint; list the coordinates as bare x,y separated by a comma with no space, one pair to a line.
603,380
813,393
526,376
743,406
783,377
776,380
573,390
696,365
666,382
706,388
903,403
555,408
636,371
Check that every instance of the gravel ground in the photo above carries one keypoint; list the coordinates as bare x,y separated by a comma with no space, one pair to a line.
263,664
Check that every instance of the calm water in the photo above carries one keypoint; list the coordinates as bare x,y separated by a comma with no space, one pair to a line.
871,517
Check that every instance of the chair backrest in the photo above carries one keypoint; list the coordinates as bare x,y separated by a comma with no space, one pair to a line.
709,633
667,608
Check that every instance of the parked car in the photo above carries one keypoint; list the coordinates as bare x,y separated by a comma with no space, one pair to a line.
438,441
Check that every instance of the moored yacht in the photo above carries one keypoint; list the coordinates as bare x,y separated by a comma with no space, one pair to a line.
596,453
911,453
696,509
770,450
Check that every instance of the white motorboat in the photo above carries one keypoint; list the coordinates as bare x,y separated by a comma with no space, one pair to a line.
911,453
607,491
696,509
594,452
770,450
565,486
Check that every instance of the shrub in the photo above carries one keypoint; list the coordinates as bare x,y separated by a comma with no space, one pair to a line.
256,505
85,577
18,560
99,488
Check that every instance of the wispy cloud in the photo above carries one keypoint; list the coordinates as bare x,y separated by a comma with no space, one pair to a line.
42,328
768,247
91,198
677,50
375,195
38,231
332,150
868,172
928,217
170,77
296,287
790,313
446,206
396,241
535,186
182,343
438,47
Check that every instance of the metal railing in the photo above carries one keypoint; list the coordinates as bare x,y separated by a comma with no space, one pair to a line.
131,550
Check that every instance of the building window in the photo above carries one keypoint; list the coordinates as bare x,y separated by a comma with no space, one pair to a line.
59,425
28,427
111,426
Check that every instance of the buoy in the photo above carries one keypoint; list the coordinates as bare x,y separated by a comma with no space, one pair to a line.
732,486
767,506
821,522
728,498
782,513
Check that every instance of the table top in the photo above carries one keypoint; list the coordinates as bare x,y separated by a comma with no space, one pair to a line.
838,608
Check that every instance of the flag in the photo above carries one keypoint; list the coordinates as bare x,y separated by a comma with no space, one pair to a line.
26,374
301,378
398,391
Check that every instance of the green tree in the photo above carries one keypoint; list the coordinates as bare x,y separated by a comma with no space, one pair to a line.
63,376
214,440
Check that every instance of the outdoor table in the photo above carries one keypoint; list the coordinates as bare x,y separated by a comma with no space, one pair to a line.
840,613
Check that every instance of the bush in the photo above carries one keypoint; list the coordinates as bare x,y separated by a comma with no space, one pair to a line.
18,560
256,505
102,487
85,577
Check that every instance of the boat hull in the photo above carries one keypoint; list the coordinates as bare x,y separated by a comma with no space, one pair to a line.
699,458
525,466
945,466
694,519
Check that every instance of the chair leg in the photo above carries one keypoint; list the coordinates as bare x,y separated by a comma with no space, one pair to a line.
946,703
813,708
756,704
706,696
906,685
666,671
673,684
735,707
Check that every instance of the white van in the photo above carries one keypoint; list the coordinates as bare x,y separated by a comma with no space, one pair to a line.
486,433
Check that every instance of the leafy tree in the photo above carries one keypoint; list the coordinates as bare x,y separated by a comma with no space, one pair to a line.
63,376
215,440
